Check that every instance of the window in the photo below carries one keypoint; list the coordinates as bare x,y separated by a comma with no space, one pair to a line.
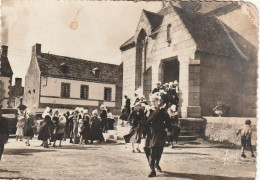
64,69
169,38
84,90
65,90
107,94
96,72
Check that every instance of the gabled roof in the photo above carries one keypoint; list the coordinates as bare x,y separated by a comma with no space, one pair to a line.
129,43
5,67
154,19
78,69
208,33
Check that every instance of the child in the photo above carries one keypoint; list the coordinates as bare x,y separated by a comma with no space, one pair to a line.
20,126
246,132
111,121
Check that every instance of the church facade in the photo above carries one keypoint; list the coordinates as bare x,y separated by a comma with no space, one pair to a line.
211,61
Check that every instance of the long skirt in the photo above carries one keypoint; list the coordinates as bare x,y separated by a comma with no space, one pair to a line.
96,133
29,132
19,131
137,136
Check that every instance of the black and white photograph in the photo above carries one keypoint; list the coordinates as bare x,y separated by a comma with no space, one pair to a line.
128,90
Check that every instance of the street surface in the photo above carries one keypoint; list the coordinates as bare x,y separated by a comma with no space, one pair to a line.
188,160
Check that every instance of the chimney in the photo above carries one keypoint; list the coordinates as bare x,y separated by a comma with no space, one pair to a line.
36,49
4,50
18,81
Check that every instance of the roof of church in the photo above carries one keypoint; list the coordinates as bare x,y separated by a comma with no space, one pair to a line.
209,33
128,42
154,19
78,69
5,67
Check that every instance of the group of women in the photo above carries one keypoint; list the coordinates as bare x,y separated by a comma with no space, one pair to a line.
77,125
157,122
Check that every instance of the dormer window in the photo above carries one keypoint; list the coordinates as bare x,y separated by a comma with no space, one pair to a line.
64,69
96,72
169,38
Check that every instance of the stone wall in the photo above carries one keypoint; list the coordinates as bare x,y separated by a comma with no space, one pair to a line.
182,47
225,128
222,79
32,84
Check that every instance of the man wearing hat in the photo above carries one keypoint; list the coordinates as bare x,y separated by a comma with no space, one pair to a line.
4,133
158,87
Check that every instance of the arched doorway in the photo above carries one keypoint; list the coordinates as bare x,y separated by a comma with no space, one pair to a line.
140,56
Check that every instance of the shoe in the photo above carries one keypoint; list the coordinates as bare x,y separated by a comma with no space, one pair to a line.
158,168
54,145
252,155
133,151
152,174
41,144
21,140
27,144
46,146
243,155
138,150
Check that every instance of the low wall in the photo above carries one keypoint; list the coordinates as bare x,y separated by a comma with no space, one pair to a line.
225,128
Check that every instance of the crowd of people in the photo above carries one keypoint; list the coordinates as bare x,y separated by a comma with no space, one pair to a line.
77,126
158,122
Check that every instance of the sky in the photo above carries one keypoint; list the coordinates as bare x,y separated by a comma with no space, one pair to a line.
102,28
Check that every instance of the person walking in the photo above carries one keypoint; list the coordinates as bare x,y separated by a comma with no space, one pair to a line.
44,132
20,127
158,122
103,116
96,129
136,132
29,127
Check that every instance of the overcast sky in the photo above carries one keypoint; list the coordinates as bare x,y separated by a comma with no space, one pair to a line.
102,28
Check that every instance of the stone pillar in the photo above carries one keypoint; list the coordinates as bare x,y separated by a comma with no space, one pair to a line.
183,84
194,108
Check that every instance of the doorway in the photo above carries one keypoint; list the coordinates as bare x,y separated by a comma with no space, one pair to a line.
170,70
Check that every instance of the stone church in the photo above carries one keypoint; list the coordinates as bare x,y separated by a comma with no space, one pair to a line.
198,46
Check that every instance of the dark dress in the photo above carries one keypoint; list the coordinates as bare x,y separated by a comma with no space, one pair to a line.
156,135
136,132
126,110
4,134
103,117
29,127
44,132
174,134
69,126
110,123
96,129
174,99
56,135
86,128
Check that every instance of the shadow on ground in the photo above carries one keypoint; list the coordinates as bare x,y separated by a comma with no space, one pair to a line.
25,152
201,176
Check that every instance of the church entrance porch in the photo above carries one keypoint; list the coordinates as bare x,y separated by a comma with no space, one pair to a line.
170,69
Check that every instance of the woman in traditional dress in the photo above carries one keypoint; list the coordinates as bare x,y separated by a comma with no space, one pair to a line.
69,126
59,129
44,133
20,127
174,134
75,126
103,116
86,132
158,122
4,133
83,127
96,130
29,127
110,121
135,134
